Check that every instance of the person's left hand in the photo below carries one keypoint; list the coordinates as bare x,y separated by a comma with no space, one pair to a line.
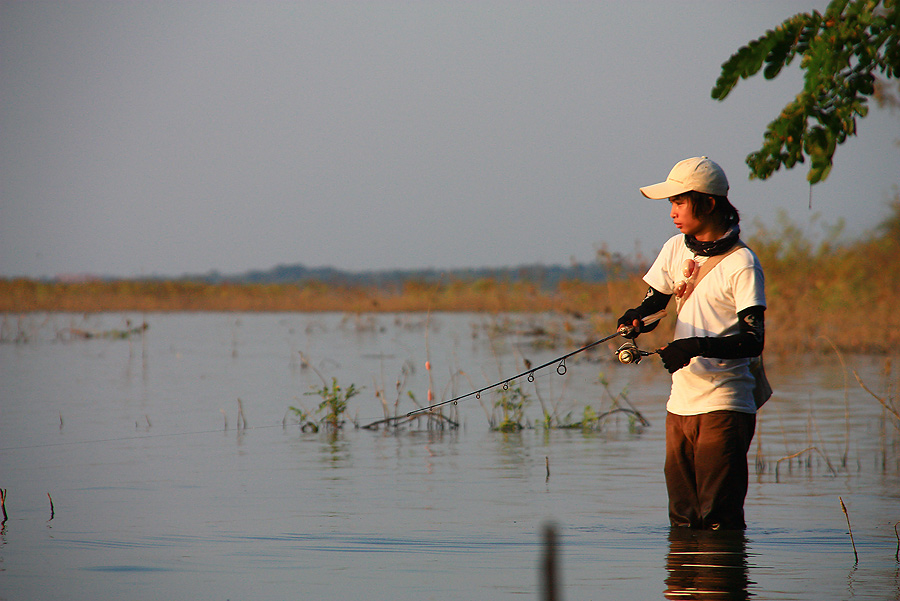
629,325
679,353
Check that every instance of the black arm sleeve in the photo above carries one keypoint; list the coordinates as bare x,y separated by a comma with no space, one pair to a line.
748,342
654,302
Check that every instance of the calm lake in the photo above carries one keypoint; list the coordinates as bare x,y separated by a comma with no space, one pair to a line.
129,472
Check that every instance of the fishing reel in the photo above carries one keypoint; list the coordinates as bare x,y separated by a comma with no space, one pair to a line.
630,353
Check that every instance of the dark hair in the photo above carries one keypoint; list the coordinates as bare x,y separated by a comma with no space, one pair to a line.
716,208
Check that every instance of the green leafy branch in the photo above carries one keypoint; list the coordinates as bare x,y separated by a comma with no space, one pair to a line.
842,50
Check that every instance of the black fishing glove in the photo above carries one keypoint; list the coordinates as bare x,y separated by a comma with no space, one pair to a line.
679,353
654,301
628,320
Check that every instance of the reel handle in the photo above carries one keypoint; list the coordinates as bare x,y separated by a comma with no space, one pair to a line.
654,318
650,319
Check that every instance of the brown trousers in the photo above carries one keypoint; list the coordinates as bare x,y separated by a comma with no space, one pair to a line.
706,468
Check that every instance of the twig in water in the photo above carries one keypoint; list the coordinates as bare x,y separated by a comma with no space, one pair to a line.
797,454
616,406
846,401
877,398
396,421
847,515
3,503
241,420
547,463
897,534
379,394
60,420
430,397
52,512
815,424
225,417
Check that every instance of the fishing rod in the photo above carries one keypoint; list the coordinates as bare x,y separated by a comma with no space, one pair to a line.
627,353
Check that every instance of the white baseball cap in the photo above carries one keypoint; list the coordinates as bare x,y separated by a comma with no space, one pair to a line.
698,174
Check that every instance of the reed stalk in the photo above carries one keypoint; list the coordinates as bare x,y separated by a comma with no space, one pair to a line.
797,454
847,515
883,402
241,420
840,357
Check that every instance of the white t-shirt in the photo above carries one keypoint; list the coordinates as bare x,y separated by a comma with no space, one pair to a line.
735,284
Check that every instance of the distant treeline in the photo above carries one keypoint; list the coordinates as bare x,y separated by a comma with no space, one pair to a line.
819,293
544,276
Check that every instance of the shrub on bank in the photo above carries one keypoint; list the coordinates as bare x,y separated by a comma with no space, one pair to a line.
819,293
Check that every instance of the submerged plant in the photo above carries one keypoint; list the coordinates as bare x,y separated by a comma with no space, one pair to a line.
590,420
302,417
546,422
334,402
511,403
594,420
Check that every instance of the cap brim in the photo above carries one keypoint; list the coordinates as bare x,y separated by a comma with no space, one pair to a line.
666,189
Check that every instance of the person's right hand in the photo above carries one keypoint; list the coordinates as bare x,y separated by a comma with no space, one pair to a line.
679,353
630,322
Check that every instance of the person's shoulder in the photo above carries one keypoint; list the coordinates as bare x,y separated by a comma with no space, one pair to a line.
746,253
676,242
676,239
743,258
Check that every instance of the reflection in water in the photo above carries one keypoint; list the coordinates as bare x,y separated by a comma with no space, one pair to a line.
336,450
707,564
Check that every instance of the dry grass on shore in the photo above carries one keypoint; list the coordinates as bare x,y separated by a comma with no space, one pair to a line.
799,317
818,294
24,296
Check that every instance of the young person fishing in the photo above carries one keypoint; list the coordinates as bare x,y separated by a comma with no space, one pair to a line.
719,291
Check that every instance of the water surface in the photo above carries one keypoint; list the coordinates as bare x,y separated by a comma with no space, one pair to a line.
157,493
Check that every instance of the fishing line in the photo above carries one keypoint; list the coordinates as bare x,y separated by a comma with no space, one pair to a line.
125,438
240,431
627,353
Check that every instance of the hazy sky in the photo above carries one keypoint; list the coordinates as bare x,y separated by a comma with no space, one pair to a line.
142,138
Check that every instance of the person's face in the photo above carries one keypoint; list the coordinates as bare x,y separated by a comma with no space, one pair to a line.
682,215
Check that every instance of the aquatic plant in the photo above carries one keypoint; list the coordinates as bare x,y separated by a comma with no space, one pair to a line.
303,418
621,404
334,402
590,419
114,334
511,401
